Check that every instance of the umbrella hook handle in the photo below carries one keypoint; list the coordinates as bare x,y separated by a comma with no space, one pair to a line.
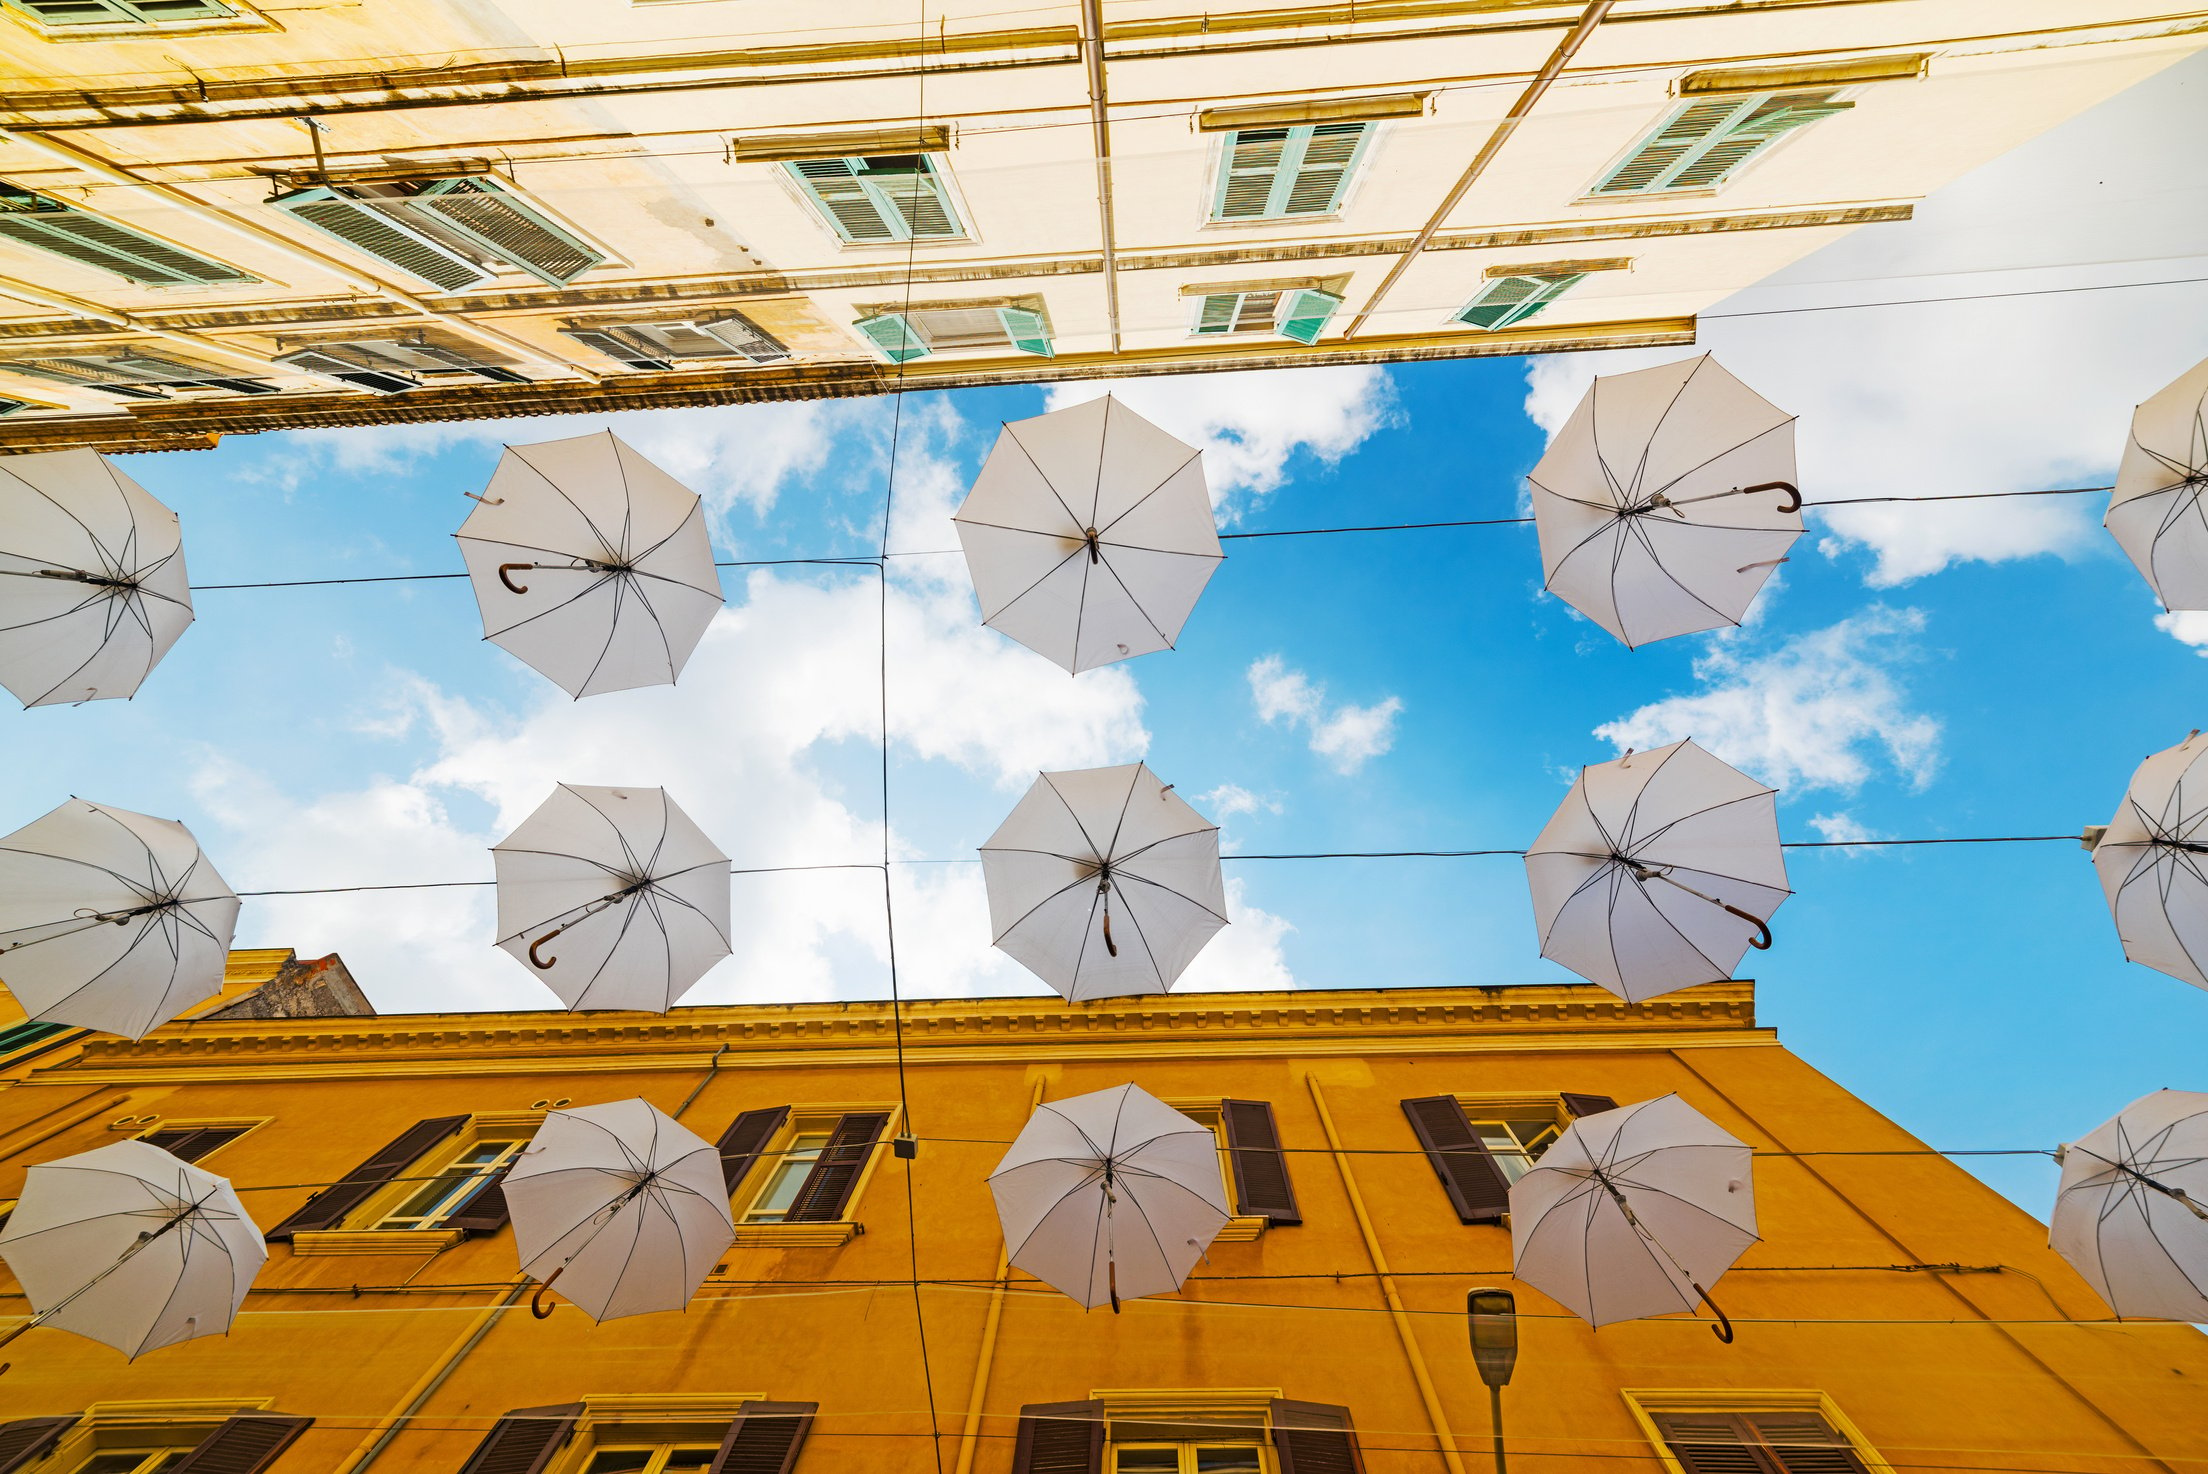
1793,502
542,1311
1104,889
1761,941
544,964
1096,553
505,576
488,501
1723,1330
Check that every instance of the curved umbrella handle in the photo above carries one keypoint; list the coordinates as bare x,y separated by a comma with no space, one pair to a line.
545,964
542,1311
1723,1330
1111,1282
1793,502
505,571
1761,941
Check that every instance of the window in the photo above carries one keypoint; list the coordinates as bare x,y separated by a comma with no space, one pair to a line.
62,229
791,1165
1750,1432
30,1031
396,365
652,1458
1185,1431
1480,1145
192,1140
903,336
651,1433
152,1437
135,1461
1516,1145
127,374
59,13
660,345
451,1186
1289,312
451,233
1507,301
1252,1166
1703,141
874,199
1205,1457
1289,171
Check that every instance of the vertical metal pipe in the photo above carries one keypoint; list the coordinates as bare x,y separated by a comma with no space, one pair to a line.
1100,125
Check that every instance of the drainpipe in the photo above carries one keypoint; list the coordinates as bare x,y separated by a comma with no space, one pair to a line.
1100,124
169,194
372,1447
1565,50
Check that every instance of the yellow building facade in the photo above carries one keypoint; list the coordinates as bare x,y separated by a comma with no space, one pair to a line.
221,216
1897,1315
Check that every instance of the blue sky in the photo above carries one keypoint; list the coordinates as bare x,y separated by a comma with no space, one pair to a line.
1966,669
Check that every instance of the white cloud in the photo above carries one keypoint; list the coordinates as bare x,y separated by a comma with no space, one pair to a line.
1347,736
1820,711
1843,829
764,743
1976,396
1252,423
1230,799
2187,625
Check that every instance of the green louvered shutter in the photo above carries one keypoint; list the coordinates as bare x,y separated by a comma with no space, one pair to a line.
120,12
896,336
62,229
1246,177
498,221
880,198
1216,314
1279,173
1305,314
843,201
1703,142
10,406
1026,330
1508,300
367,228
922,205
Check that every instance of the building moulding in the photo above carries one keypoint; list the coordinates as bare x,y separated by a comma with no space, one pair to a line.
186,424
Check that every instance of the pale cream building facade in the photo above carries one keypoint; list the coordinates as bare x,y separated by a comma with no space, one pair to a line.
220,216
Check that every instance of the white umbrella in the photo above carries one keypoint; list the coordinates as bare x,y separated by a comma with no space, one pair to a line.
1635,1212
1651,503
128,1245
1658,871
2131,1214
109,919
633,891
620,1204
1111,1195
92,585
2153,863
591,564
1093,847
1089,534
2155,513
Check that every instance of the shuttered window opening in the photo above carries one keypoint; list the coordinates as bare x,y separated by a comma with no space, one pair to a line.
459,1186
525,1441
1506,301
243,1445
1315,1438
1301,314
369,228
130,375
1258,1168
1703,141
190,1143
903,336
808,1176
498,221
1789,1442
62,229
660,345
25,1441
1476,1185
453,1188
877,199
1060,1438
446,232
766,1438
1289,171
395,365
9,407
122,12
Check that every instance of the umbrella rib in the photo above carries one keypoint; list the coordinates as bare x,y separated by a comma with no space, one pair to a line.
1127,904
1165,481
1139,851
1136,603
612,554
621,592
1126,800
1081,614
1013,924
1031,588
1080,527
1118,876
1728,450
601,581
1101,853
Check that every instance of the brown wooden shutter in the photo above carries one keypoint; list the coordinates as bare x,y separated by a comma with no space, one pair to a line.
1712,1443
27,1440
190,1143
327,1208
525,1440
746,1137
1476,1185
1315,1438
244,1445
828,1186
485,1213
1585,1105
1060,1438
1261,1185
765,1438
1804,1443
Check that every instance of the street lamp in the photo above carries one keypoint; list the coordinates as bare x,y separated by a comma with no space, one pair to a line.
1493,1315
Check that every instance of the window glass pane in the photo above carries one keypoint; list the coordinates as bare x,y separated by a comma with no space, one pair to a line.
789,1175
690,1460
963,327
451,1187
1242,1460
620,1460
1145,1460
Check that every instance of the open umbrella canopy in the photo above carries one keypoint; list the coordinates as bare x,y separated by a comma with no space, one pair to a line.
92,584
128,1245
1634,1212
2153,863
621,1205
1666,500
1103,883
591,564
1089,534
2131,1214
2155,513
613,897
1658,871
1109,1196
109,919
